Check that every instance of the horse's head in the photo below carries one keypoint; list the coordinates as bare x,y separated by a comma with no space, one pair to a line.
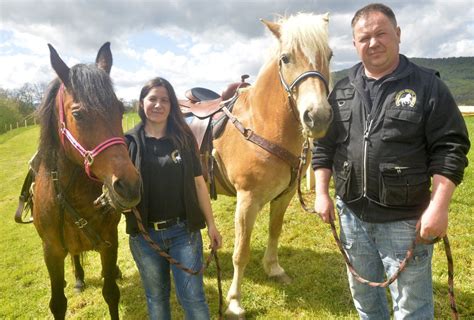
303,58
90,126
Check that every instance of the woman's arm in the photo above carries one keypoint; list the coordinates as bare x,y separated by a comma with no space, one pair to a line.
205,205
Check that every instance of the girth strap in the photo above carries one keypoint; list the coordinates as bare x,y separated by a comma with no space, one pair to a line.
271,147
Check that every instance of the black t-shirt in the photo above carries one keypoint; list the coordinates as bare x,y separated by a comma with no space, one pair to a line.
372,86
163,164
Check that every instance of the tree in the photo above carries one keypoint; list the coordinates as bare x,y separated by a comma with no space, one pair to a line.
9,114
29,97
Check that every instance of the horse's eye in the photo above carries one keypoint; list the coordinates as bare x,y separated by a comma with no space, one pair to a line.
285,59
78,115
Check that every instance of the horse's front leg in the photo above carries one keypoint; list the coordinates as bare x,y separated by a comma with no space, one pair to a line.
110,290
245,215
78,273
270,261
54,259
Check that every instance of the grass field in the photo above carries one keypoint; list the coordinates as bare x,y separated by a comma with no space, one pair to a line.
307,251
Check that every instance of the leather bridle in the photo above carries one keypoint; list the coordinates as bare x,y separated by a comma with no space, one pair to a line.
290,88
88,155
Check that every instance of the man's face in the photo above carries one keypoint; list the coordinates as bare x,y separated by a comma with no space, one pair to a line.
377,41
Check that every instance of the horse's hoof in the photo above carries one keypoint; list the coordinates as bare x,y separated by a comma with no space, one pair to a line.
79,286
282,278
234,312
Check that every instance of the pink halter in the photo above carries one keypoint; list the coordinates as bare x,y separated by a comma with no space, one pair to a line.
88,155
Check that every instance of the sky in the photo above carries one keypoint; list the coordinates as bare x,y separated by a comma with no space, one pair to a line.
206,43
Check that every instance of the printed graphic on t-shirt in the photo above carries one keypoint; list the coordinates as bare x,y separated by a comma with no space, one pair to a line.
175,156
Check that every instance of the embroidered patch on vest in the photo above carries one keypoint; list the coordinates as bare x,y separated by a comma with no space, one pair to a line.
405,98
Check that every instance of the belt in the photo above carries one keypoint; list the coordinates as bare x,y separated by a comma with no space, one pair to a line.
164,224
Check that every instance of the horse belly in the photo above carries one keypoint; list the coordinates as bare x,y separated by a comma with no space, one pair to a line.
249,167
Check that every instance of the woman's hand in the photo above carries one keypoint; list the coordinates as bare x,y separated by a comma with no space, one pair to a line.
215,237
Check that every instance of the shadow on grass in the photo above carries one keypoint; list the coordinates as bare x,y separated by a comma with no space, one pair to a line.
319,283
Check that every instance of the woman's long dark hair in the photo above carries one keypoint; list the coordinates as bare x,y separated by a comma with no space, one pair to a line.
176,127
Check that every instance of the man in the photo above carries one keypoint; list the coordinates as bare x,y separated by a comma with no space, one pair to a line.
395,127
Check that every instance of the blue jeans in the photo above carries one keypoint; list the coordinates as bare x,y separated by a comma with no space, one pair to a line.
376,250
184,246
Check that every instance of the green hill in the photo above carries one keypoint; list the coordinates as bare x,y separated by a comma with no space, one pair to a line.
457,73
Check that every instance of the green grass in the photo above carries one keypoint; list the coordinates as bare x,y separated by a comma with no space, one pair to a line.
307,251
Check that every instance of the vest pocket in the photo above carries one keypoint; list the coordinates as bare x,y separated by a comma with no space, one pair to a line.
403,186
401,125
342,178
342,124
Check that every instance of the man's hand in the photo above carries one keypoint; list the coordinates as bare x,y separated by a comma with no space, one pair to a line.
434,221
324,206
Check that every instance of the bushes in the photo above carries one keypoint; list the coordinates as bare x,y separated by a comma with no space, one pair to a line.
9,113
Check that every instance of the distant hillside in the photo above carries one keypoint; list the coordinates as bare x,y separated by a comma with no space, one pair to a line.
457,73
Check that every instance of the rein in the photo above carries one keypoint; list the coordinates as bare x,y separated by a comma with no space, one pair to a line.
88,155
176,263
408,255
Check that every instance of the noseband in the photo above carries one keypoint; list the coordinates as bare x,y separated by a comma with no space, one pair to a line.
88,155
289,88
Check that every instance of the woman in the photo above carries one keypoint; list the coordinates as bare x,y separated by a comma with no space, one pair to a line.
174,206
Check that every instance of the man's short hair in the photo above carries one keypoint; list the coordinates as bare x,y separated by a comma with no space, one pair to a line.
374,7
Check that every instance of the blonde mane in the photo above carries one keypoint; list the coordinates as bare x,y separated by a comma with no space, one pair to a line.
306,32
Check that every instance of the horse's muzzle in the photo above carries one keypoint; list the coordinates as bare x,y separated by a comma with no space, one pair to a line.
123,194
317,122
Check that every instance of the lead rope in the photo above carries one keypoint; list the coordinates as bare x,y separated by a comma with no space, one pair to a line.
409,254
176,263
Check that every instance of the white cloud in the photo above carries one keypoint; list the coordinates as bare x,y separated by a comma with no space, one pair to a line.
199,43
21,68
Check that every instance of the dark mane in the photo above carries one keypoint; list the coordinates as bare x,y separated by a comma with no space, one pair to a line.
93,88
89,86
49,137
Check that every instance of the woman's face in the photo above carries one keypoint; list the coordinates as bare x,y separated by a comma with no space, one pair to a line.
156,105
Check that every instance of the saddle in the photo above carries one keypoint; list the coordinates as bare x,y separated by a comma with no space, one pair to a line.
203,113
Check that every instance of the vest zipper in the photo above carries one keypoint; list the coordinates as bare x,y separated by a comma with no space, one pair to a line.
368,126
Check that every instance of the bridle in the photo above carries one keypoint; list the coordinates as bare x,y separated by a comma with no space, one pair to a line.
88,155
289,88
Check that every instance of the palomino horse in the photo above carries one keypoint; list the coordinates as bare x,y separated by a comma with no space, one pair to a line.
286,105
82,157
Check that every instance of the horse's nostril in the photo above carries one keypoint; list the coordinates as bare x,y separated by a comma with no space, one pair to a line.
123,189
308,120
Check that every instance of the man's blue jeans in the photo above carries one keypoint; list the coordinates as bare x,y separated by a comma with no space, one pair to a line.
154,271
376,250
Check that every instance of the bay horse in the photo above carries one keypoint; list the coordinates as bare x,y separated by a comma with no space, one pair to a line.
82,159
286,105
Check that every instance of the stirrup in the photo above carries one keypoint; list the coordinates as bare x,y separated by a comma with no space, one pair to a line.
23,213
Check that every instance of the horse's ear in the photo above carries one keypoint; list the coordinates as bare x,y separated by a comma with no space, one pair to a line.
326,17
104,58
273,27
61,69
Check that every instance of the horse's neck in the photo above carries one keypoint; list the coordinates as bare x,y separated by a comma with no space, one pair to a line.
271,114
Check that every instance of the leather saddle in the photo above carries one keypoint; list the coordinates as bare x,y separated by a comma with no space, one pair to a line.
202,111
